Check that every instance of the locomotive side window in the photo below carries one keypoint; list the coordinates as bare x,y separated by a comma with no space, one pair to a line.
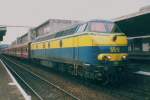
69,31
66,32
81,28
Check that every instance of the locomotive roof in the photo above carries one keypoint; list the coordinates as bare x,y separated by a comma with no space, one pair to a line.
53,35
97,20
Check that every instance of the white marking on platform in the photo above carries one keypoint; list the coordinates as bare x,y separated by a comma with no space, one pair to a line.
143,73
11,83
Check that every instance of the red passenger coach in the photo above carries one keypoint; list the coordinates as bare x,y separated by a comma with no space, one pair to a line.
21,51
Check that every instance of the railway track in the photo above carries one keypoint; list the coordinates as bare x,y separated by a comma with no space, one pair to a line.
41,88
84,92
133,91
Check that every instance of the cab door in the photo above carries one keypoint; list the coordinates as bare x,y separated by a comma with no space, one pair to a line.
76,48
81,28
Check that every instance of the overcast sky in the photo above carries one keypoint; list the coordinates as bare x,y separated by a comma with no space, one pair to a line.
34,12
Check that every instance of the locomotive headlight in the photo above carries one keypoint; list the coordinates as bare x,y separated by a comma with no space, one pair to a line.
124,57
104,57
108,57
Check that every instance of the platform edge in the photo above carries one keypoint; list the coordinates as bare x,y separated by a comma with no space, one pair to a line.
25,95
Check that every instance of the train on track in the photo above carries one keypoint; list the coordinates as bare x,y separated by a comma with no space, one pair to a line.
94,49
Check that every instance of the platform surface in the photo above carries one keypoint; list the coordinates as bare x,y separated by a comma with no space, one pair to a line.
8,90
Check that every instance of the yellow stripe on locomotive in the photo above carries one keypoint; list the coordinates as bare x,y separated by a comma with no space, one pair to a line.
83,40
88,40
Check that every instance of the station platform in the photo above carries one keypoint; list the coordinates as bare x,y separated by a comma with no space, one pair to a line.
144,69
8,88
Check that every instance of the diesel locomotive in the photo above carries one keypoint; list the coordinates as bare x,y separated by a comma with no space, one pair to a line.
94,49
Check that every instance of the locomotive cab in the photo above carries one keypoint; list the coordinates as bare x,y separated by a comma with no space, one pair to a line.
108,40
111,41
108,37
111,48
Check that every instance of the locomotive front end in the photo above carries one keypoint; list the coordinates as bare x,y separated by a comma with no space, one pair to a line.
111,49
114,53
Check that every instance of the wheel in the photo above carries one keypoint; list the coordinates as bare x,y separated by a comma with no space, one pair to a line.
110,78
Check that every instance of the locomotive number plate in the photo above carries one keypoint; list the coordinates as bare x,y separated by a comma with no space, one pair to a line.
114,49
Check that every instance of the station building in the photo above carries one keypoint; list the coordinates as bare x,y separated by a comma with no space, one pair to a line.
51,26
137,28
2,32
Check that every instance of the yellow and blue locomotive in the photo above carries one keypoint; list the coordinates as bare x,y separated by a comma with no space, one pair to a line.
95,49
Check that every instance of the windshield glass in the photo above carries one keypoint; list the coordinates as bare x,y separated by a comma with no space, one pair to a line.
106,27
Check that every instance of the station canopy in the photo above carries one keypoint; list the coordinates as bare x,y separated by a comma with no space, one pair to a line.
136,24
2,32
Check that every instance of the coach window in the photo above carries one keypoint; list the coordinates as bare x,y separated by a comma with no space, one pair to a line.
81,28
